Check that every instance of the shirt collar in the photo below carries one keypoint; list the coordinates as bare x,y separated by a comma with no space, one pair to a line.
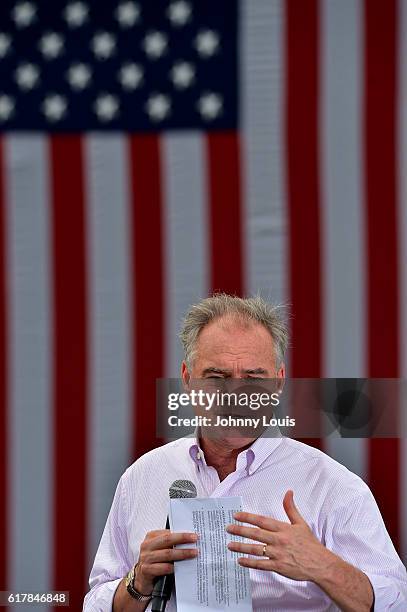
250,458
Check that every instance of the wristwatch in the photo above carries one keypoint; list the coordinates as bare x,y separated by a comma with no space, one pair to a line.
131,589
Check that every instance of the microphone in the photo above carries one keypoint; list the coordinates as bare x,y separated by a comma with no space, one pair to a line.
164,584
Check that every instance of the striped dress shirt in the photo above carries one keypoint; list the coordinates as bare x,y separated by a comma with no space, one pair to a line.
337,505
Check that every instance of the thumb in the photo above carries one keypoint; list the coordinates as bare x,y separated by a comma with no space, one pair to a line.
291,509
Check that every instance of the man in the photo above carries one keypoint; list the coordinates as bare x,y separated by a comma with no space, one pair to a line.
316,537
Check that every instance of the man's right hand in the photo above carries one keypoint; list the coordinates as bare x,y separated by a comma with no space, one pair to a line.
157,555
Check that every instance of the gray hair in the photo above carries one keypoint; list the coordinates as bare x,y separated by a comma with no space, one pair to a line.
252,309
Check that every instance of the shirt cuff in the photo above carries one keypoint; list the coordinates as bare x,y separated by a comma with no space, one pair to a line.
387,595
100,598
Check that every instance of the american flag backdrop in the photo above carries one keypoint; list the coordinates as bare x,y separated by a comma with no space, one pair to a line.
151,153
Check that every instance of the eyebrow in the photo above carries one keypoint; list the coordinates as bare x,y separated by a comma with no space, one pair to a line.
229,372
256,371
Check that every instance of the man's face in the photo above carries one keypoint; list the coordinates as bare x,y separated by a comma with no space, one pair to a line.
230,349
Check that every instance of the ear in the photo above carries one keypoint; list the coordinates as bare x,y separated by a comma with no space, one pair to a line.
185,375
281,377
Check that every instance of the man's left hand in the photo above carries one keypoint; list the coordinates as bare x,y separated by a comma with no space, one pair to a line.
290,549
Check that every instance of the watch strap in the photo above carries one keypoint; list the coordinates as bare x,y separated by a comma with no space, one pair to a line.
131,588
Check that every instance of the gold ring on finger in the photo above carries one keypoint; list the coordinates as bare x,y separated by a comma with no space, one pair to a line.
264,550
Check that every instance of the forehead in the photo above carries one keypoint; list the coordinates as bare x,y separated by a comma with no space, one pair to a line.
234,335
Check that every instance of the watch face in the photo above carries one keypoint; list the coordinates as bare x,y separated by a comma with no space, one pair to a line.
129,577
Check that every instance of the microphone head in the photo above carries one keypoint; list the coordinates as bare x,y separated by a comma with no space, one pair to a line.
182,488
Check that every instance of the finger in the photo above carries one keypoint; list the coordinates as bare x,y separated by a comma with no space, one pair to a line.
169,539
254,533
265,522
155,533
291,509
262,564
167,555
158,569
250,549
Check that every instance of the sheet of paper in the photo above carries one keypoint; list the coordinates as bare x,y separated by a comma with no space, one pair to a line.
213,580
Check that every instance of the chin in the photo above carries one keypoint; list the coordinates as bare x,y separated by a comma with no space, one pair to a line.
234,440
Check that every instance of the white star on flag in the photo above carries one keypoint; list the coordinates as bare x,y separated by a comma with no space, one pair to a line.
27,76
106,107
24,14
210,105
207,43
182,75
76,14
103,45
155,44
158,107
54,107
127,14
79,76
5,43
131,76
6,107
51,45
179,13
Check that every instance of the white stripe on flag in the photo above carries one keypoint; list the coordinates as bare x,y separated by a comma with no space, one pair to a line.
31,475
262,99
402,174
341,165
109,324
341,215
185,234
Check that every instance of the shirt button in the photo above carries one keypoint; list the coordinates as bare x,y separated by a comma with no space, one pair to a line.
199,455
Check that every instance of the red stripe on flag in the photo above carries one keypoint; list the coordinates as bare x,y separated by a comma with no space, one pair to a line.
302,106
225,213
148,285
70,366
382,247
3,381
